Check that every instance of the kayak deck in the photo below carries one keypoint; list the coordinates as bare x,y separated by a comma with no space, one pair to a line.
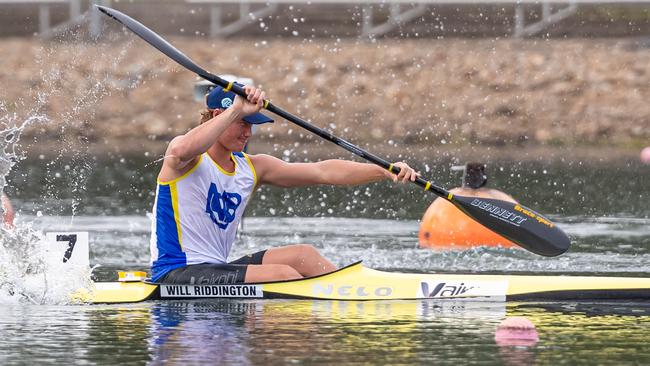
356,282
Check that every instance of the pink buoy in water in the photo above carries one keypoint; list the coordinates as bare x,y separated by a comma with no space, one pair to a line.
516,331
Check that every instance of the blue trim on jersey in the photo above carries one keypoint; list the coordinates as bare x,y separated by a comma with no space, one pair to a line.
238,153
170,253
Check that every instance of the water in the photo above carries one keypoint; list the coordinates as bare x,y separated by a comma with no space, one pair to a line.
618,246
121,184
603,206
308,332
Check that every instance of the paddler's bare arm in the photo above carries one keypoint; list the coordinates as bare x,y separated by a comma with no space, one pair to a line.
184,150
271,170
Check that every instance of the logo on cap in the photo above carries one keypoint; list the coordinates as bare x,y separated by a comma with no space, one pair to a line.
226,102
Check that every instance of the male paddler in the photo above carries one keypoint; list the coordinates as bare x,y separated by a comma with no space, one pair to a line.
205,184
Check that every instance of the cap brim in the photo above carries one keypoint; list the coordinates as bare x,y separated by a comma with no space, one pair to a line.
257,119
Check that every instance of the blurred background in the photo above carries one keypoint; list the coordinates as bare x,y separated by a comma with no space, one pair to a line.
551,96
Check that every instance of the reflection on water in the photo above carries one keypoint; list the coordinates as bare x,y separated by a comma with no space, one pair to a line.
293,331
300,331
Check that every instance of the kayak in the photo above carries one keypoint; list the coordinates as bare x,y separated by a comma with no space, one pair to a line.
357,282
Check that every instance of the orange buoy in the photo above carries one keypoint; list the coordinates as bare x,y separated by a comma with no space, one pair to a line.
446,227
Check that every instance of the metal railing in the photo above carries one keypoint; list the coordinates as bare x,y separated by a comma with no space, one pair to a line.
45,28
400,13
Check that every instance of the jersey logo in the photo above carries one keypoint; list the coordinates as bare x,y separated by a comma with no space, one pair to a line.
222,206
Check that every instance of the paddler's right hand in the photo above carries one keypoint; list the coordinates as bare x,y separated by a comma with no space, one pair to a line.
406,173
252,104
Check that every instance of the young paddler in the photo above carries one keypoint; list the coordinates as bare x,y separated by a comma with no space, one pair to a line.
205,184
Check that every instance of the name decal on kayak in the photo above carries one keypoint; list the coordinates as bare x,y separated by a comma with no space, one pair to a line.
462,289
351,291
211,291
499,212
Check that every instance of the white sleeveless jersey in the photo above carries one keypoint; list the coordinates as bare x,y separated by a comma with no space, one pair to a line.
195,216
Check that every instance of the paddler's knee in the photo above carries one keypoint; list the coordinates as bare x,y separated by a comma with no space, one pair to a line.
306,250
307,260
299,254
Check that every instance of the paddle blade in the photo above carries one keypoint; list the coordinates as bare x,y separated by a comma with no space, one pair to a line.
515,222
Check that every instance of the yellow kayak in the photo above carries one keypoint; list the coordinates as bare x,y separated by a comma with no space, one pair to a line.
356,282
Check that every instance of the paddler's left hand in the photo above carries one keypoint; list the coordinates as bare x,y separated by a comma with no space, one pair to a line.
405,174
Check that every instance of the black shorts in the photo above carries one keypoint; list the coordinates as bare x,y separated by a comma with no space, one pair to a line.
213,274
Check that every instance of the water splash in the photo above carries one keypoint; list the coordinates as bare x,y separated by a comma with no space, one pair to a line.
9,138
29,272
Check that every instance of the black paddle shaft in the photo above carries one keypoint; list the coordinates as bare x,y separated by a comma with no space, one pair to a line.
517,223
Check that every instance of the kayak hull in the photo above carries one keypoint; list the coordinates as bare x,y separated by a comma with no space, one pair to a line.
356,282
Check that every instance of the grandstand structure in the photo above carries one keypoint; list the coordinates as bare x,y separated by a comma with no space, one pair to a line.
360,18
43,7
400,12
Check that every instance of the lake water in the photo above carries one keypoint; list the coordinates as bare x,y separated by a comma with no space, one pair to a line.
603,206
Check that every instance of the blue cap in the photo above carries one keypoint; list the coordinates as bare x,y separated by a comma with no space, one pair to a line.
218,98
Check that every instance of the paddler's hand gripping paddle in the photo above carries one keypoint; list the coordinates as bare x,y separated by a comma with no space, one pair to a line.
515,222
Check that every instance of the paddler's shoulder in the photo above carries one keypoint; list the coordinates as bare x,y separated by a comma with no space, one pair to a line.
174,171
262,159
262,163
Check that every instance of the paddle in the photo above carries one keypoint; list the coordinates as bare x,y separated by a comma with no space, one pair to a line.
515,222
